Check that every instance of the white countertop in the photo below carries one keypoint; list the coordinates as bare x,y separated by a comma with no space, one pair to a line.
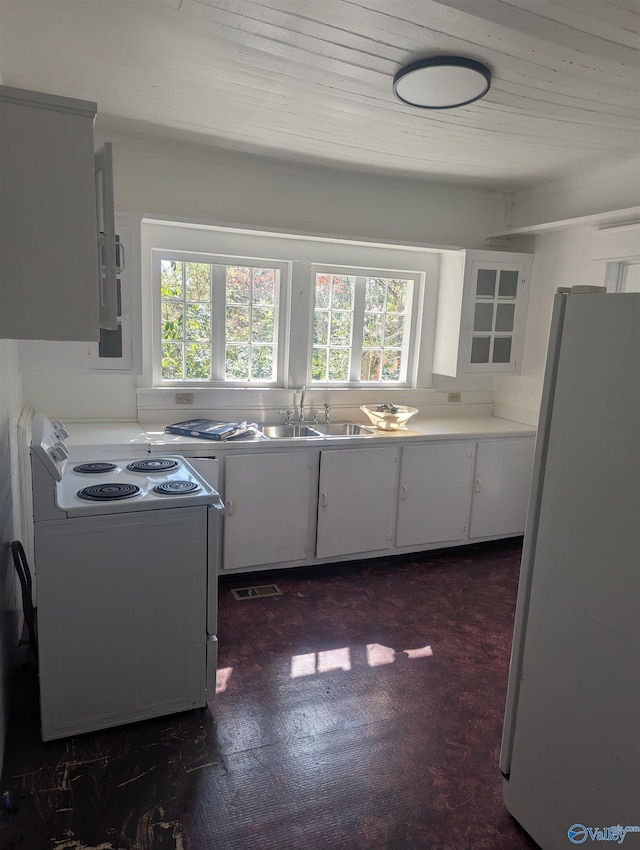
106,434
122,435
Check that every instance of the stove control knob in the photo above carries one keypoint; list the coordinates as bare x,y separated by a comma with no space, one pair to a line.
60,430
59,452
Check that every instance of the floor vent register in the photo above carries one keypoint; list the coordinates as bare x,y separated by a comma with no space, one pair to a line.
256,592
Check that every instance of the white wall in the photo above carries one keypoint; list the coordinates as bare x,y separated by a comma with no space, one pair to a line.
10,607
594,193
562,258
195,182
58,381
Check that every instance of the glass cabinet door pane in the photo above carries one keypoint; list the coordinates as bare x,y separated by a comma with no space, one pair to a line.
483,317
480,346
508,287
501,349
505,314
486,283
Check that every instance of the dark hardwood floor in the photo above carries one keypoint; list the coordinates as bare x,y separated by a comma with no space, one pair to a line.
362,709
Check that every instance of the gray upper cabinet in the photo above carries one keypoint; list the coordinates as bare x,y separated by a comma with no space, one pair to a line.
482,302
51,283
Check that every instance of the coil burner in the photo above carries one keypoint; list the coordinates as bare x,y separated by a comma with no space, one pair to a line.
97,467
156,464
108,492
176,488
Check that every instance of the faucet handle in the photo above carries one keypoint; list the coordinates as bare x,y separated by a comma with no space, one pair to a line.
327,412
287,419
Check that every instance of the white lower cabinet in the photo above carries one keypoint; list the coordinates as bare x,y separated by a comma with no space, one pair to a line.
351,501
270,503
501,487
435,493
357,500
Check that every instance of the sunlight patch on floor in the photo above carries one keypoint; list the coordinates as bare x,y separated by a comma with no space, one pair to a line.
310,663
222,678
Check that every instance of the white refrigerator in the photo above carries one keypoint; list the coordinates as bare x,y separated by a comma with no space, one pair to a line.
571,740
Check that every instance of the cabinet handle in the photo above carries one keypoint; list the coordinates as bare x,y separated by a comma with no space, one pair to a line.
121,260
323,500
403,491
477,486
231,506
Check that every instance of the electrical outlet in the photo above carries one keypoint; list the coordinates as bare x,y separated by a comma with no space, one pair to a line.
453,397
184,398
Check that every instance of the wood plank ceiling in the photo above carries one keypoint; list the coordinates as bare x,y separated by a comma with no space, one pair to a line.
311,80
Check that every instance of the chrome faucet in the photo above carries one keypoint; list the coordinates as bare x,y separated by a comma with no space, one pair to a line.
301,408
327,413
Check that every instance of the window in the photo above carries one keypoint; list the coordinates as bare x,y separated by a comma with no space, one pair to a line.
248,309
623,276
632,278
361,327
218,322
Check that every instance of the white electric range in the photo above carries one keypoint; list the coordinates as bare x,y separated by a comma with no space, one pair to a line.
126,556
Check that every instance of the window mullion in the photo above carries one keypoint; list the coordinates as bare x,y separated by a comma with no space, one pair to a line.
383,319
218,314
184,320
250,351
357,333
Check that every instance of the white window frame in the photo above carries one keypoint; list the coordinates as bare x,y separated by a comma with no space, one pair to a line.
297,254
616,275
218,302
412,340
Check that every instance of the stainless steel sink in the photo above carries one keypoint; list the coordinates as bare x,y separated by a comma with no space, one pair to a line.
342,429
317,429
283,432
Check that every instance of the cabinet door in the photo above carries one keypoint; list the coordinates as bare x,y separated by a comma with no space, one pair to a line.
493,314
501,487
120,349
269,508
435,493
48,228
107,250
356,508
482,303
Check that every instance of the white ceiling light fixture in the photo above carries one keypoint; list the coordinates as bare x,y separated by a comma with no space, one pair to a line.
442,82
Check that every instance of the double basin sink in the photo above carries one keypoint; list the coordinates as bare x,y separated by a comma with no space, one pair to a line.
316,429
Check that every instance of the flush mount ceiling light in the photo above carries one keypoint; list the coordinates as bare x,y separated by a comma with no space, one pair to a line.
442,82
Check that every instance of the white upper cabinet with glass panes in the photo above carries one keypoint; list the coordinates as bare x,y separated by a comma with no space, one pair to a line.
482,301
